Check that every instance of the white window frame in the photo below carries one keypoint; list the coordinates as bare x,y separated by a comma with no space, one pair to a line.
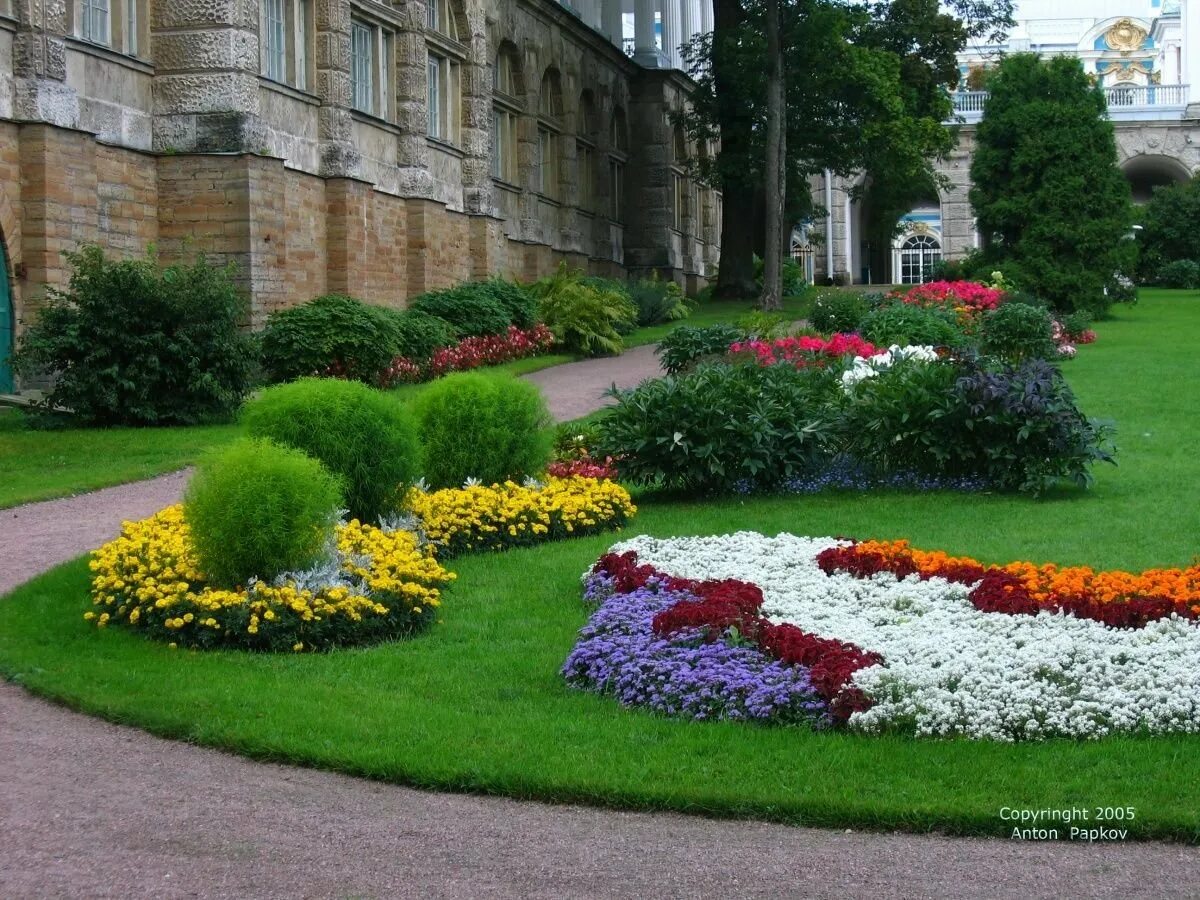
285,33
444,73
618,158
506,114
115,24
549,140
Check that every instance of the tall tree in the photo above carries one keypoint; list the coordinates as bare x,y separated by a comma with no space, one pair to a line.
776,180
1053,207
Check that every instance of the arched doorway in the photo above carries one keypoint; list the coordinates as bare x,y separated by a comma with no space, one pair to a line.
6,325
919,253
1147,171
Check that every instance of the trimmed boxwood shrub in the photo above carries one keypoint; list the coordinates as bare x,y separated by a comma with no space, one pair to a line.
130,344
475,310
360,434
257,510
332,333
904,323
487,427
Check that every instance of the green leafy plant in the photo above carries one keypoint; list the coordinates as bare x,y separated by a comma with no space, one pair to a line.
1016,331
763,326
904,323
1170,230
475,309
721,427
487,427
257,510
585,320
685,346
128,343
331,333
1180,273
838,311
658,300
360,434
420,334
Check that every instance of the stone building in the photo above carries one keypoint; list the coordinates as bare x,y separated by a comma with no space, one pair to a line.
376,147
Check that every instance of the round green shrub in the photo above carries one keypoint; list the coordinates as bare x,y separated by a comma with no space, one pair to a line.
838,311
904,324
257,510
489,427
472,309
361,434
330,332
420,334
1181,273
520,303
1017,331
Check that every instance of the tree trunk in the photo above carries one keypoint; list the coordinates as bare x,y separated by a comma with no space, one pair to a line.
776,180
736,277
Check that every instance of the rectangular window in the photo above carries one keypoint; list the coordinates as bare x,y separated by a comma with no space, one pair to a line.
547,183
275,40
436,96
362,67
616,187
301,30
680,200
96,22
587,176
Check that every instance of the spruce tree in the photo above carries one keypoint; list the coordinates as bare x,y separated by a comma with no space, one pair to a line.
1053,207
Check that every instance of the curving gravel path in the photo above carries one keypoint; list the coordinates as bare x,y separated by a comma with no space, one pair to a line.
575,389
98,810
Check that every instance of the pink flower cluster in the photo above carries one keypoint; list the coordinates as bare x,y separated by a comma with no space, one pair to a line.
585,467
953,294
805,351
471,353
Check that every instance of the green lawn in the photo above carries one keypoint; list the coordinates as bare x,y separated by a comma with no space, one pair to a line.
41,465
478,705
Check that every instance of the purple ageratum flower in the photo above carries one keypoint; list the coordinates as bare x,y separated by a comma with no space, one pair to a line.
619,654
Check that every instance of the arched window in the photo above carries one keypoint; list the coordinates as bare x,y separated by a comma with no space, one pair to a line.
549,127
506,113
446,55
618,156
918,254
585,150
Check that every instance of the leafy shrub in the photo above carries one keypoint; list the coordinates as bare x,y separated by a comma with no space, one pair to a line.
420,335
586,320
520,304
659,301
1181,273
257,510
487,427
129,344
949,270
474,309
1022,430
686,345
904,323
838,311
333,333
794,281
1077,323
361,434
1016,331
1170,228
721,426
763,326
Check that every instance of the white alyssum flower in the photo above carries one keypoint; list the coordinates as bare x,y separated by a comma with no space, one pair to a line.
863,368
950,669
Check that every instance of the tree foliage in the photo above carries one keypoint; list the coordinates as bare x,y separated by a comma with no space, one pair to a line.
1170,228
1053,207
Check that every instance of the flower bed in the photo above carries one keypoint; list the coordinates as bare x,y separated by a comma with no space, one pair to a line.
964,297
471,353
377,585
805,351
882,653
493,517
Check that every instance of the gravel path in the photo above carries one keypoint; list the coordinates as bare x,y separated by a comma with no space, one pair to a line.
93,809
576,389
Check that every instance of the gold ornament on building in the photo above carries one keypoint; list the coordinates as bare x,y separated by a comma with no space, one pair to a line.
1125,36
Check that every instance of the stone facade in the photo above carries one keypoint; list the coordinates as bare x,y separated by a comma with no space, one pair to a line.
166,130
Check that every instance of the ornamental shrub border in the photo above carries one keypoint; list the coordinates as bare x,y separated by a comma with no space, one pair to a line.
698,628
470,353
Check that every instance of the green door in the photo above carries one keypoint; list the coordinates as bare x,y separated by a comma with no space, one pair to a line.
6,326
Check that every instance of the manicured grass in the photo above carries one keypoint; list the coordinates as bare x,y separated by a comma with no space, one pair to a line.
714,312
39,465
477,705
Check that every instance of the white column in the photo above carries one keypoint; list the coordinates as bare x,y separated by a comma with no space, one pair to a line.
645,45
848,239
706,16
670,30
688,25
613,25
1189,40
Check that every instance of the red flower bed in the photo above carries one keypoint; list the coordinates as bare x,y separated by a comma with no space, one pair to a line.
969,294
1118,599
805,351
722,605
471,353
585,467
